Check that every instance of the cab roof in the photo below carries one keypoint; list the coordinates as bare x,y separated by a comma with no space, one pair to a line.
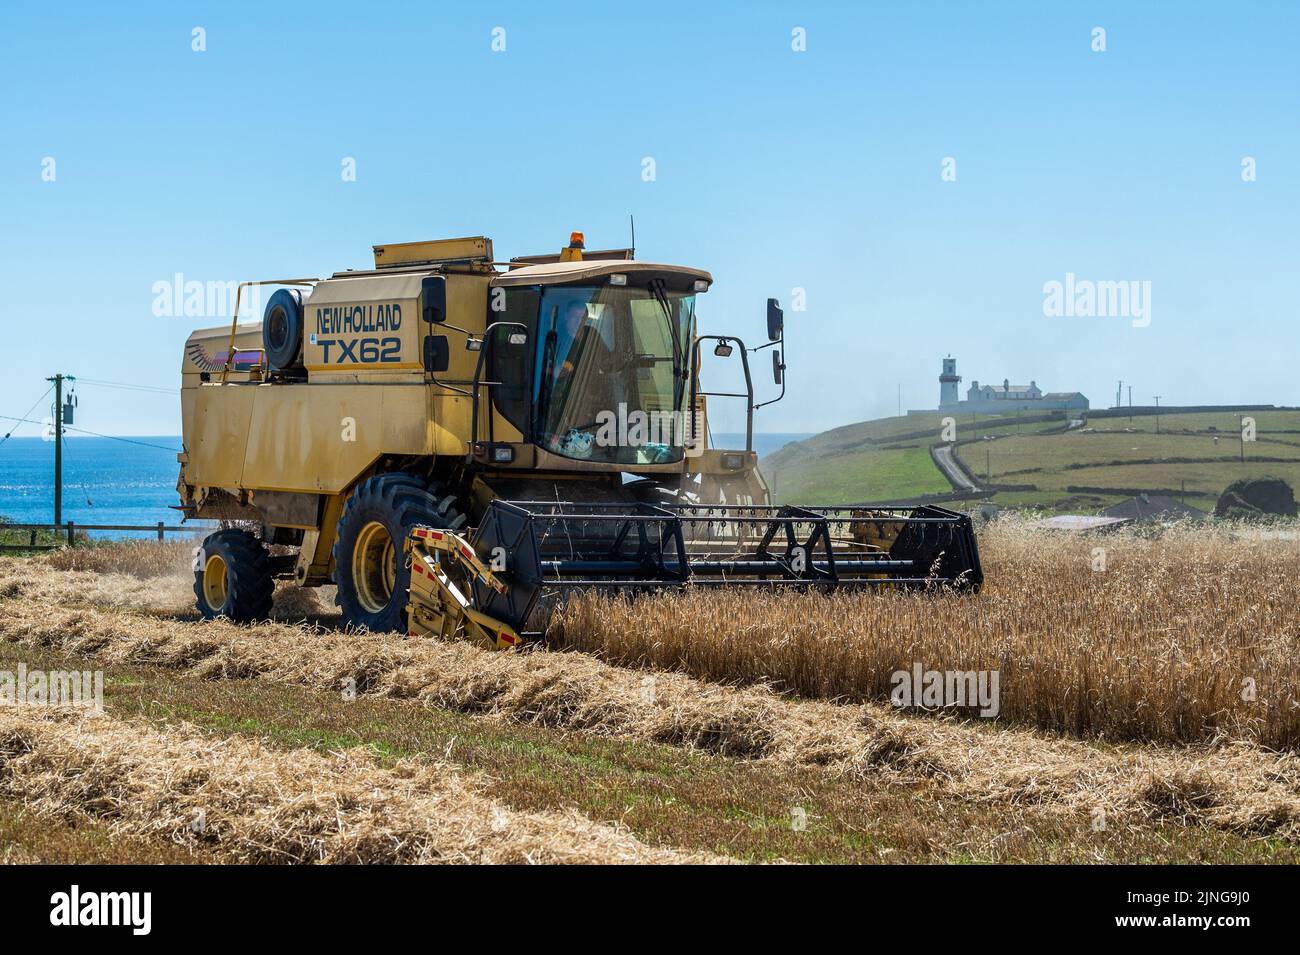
678,278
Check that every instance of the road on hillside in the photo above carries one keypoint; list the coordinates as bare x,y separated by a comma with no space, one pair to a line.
942,455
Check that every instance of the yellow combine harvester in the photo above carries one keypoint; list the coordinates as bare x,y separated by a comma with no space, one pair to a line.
453,441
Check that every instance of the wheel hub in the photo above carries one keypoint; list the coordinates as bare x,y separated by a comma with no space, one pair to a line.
216,582
374,567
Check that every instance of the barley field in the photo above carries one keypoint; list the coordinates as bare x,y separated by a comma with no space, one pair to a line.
1188,636
697,727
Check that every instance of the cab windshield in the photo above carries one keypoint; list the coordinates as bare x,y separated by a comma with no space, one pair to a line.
612,370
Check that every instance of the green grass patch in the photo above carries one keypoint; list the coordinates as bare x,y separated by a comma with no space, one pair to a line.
869,475
28,838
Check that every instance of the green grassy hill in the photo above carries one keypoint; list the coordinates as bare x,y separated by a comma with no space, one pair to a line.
1079,470
876,460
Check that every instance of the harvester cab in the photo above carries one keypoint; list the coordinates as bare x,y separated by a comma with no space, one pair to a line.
454,442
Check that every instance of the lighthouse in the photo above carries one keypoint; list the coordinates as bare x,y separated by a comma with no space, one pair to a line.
948,382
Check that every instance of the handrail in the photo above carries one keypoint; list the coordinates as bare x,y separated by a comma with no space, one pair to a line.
749,384
239,291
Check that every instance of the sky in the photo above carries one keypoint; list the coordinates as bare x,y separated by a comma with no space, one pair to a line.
905,178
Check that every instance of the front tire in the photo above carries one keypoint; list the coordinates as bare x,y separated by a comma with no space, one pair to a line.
370,568
232,577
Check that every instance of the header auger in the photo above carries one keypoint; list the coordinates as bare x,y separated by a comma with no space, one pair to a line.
454,442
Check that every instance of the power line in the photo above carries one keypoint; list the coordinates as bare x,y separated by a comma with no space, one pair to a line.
27,412
116,437
126,386
96,434
85,488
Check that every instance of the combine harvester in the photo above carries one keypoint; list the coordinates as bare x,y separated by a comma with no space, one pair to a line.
455,442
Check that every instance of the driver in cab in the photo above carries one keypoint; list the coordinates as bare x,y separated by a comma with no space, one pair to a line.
584,373
586,367
582,342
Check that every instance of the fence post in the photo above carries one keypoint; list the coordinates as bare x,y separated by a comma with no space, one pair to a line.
160,531
33,538
71,541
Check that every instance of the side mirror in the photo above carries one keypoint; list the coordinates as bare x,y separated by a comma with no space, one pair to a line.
518,338
777,366
433,290
437,355
775,321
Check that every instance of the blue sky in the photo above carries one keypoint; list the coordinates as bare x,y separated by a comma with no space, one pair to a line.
775,170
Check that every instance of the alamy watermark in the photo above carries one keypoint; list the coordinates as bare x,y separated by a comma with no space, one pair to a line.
947,689
638,429
78,688
179,297
130,909
660,431
1084,298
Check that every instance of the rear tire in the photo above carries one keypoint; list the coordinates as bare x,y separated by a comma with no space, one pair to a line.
370,567
232,577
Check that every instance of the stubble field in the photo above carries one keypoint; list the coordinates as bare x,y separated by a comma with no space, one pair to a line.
1147,711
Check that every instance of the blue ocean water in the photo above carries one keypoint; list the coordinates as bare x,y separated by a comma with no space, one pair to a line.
112,481
105,481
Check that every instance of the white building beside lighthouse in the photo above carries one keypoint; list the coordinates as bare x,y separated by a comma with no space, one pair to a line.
1003,398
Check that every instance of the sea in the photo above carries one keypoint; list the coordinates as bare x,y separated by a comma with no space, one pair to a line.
105,481
133,480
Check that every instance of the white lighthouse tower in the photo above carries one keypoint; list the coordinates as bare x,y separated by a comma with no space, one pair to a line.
948,382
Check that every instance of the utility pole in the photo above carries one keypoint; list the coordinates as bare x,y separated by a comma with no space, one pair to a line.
1157,397
58,448
1130,404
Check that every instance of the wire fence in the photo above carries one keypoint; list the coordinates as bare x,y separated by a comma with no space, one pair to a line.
71,528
